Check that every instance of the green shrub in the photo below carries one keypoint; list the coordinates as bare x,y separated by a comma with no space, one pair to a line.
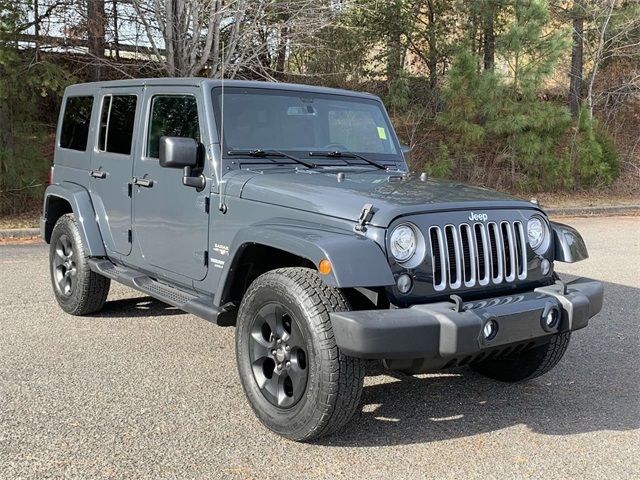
596,160
442,164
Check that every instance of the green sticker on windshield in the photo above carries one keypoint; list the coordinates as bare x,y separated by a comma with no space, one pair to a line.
382,133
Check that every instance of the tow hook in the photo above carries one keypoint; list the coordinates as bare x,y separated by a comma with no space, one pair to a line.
365,217
458,304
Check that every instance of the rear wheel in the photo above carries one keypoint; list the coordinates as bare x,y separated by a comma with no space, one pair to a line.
528,364
296,379
78,290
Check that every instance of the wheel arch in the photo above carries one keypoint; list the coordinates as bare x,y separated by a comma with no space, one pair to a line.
356,262
71,198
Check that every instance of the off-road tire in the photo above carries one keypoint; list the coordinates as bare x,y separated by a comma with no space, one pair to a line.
525,365
89,290
334,380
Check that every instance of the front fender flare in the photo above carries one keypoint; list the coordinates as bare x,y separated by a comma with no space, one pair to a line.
568,243
356,261
82,207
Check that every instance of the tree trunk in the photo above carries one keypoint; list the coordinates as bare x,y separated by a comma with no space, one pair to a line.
95,34
6,149
488,36
36,29
116,36
432,62
282,52
394,56
394,48
472,32
575,74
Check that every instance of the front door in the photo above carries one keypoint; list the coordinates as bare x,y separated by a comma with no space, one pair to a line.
112,166
170,222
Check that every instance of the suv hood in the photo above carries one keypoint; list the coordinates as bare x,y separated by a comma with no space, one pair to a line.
321,191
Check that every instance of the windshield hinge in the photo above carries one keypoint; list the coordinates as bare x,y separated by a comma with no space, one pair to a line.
365,217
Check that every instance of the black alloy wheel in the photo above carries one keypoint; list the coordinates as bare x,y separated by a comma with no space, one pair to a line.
278,355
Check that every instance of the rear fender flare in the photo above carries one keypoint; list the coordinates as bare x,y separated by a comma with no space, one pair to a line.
80,201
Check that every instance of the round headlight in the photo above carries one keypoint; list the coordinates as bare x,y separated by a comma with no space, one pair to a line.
537,232
403,243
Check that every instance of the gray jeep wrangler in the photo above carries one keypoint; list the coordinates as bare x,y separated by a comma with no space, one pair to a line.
289,211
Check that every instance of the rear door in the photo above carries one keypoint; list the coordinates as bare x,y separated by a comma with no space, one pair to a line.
112,165
170,222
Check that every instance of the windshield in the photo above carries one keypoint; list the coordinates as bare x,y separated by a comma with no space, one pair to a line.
304,122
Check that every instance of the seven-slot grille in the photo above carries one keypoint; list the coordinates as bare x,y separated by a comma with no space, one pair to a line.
477,254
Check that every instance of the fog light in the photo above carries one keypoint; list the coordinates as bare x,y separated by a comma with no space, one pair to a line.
490,329
550,319
404,283
545,266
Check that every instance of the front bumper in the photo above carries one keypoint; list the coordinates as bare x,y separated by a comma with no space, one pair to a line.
441,333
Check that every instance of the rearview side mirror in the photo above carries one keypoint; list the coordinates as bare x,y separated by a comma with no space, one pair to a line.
406,149
181,152
178,152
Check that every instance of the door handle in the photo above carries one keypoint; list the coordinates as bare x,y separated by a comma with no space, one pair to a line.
143,182
98,174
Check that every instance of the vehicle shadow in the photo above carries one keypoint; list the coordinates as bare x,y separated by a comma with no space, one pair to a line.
137,307
595,387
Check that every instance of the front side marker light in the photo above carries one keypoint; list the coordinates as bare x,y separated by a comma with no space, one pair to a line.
324,267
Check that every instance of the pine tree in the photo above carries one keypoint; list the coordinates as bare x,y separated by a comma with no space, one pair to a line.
498,124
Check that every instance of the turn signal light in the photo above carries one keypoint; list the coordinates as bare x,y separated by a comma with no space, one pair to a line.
324,267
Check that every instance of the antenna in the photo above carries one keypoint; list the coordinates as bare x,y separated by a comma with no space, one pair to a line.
221,205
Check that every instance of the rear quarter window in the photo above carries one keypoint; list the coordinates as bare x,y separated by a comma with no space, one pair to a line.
75,123
116,123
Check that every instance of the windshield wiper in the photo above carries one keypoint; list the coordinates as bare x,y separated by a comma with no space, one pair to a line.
339,154
270,153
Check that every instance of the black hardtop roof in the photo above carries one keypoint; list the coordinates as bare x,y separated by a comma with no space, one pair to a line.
84,88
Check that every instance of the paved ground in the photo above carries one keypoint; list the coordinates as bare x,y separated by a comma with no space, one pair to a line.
143,390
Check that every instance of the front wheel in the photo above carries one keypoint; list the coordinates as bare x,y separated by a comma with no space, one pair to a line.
527,364
296,379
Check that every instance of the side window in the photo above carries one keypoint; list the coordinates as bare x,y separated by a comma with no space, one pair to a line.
75,123
116,123
173,116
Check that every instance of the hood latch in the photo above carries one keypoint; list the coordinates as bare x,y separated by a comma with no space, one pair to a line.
366,214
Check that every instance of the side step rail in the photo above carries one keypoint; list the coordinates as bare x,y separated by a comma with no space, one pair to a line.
202,306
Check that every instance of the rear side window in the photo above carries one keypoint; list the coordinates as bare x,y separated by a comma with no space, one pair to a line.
116,123
75,123
172,116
